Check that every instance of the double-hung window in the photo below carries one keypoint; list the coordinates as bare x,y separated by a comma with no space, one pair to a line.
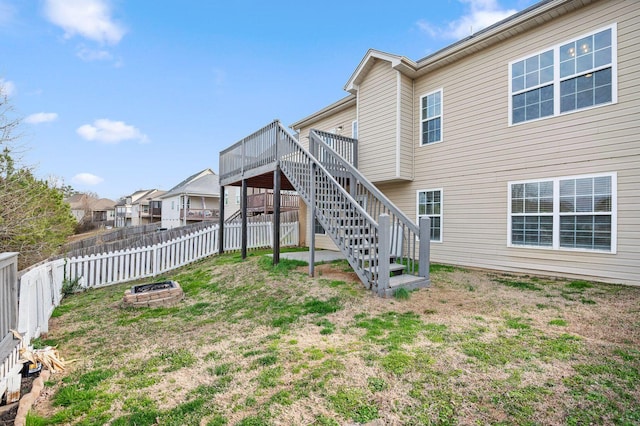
430,205
431,117
564,213
577,74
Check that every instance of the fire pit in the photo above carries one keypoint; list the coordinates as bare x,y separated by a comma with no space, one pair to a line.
153,295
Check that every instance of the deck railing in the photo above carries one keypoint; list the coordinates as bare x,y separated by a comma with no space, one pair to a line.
264,202
346,148
200,214
256,150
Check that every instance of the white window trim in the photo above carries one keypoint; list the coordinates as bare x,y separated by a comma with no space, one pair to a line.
441,215
557,79
556,213
354,129
441,90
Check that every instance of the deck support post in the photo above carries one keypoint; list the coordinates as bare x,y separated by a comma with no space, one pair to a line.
384,249
425,247
243,207
312,243
221,222
276,214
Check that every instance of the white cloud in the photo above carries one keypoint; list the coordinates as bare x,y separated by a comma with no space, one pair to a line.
88,18
89,55
479,14
41,117
7,88
86,179
109,131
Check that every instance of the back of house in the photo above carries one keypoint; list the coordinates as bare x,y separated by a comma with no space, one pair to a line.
520,142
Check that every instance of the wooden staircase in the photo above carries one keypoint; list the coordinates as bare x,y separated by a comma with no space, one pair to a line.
381,244
378,240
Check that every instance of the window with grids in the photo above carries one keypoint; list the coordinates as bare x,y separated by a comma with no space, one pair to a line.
564,213
532,214
570,76
431,117
585,213
318,228
430,205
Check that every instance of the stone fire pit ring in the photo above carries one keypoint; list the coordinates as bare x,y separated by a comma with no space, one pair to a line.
153,295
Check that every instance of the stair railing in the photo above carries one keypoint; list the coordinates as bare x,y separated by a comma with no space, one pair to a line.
348,224
405,234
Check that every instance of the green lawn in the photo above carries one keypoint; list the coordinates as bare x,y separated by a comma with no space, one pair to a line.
257,345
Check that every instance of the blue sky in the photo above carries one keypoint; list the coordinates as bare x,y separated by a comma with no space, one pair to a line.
118,95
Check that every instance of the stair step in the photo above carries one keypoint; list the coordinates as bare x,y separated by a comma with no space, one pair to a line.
394,268
409,282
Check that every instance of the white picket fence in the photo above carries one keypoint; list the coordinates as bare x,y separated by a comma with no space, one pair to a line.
41,287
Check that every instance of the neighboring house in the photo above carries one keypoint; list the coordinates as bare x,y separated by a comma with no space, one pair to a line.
88,209
79,204
103,211
231,201
520,142
148,209
134,210
195,199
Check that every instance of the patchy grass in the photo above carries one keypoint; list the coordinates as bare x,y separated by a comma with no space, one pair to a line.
254,344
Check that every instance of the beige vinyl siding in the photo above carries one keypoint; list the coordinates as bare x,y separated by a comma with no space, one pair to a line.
377,122
481,153
406,129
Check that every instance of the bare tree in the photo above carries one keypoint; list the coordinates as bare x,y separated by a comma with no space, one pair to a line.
34,220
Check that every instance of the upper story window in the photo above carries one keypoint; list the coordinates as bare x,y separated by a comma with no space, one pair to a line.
431,117
577,74
354,129
226,197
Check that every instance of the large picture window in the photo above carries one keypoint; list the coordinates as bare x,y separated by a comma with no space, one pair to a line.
574,75
430,205
564,213
431,117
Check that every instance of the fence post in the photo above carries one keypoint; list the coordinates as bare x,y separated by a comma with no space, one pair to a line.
154,254
425,247
221,221
384,250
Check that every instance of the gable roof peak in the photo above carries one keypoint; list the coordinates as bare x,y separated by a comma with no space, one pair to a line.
401,63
